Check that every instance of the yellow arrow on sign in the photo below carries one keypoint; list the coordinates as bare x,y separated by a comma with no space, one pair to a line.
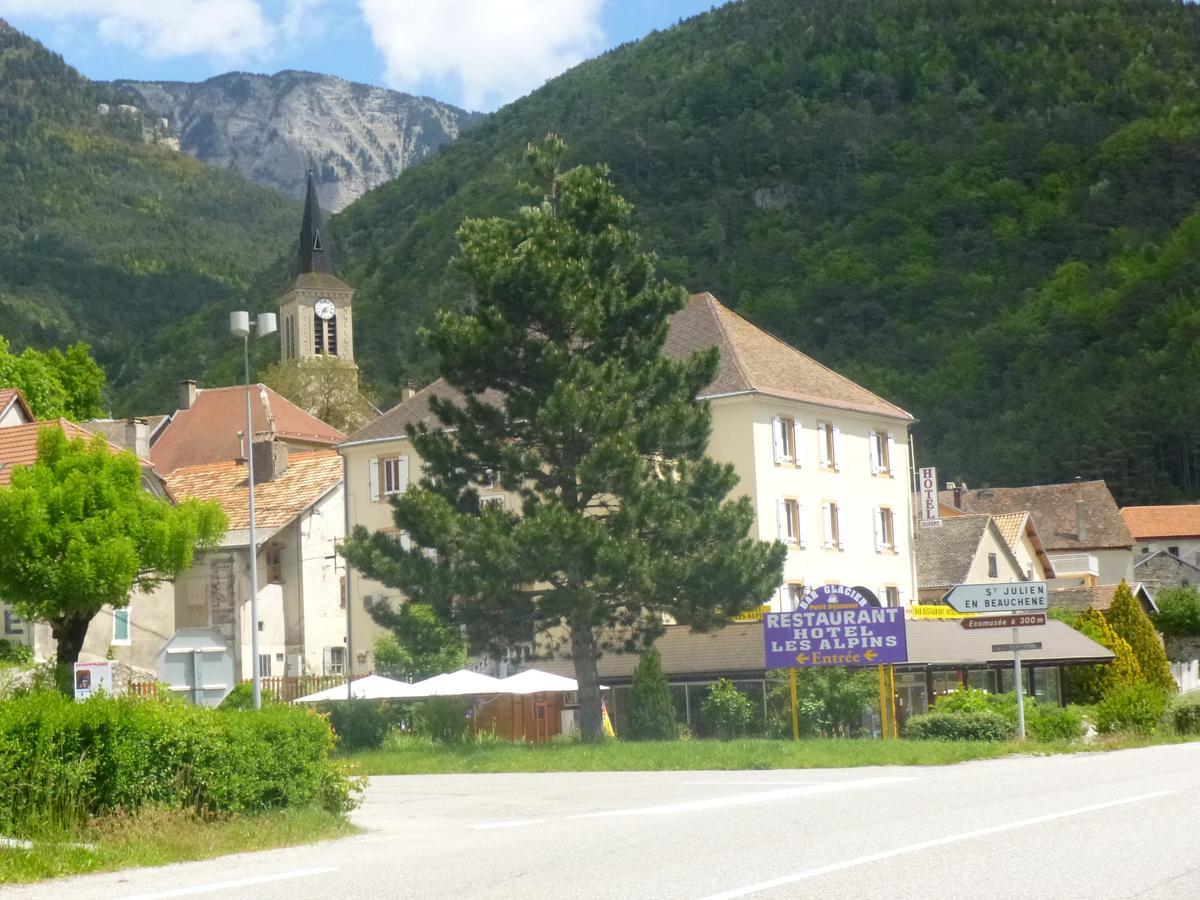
870,655
802,659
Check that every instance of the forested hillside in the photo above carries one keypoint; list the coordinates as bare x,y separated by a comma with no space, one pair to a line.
108,238
985,210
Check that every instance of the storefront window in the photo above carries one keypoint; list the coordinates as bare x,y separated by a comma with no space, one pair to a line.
912,699
982,680
944,683
1046,686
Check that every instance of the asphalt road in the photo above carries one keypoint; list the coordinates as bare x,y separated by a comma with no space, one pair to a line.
1124,824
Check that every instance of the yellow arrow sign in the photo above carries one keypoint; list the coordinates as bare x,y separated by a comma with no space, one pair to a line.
802,659
870,655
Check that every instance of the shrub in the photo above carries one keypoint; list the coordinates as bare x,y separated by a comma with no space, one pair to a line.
443,719
1137,708
63,759
360,724
1178,611
12,654
1043,721
830,701
1184,714
1088,684
1130,621
978,725
726,712
651,710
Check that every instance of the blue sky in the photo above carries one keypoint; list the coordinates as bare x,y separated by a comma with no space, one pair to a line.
475,53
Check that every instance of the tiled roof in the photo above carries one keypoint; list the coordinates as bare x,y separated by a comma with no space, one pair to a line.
1053,509
1149,522
320,281
751,361
18,443
945,554
754,360
1014,526
309,477
1097,597
738,649
9,396
114,429
207,433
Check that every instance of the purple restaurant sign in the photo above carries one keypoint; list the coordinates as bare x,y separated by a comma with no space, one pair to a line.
834,625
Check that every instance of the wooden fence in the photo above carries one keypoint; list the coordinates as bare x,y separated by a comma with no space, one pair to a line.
290,687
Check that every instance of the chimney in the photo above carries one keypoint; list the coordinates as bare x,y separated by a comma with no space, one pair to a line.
187,393
409,390
270,460
959,487
137,437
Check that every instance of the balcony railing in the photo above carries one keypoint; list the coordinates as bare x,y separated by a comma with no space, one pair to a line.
1070,565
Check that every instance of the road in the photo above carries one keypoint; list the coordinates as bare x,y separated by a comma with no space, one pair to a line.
1123,824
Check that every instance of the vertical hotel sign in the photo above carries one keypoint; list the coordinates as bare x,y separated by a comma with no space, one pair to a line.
927,513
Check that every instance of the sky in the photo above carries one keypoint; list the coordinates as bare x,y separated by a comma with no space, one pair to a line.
479,54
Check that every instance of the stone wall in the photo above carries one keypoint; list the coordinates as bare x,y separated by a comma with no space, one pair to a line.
1181,649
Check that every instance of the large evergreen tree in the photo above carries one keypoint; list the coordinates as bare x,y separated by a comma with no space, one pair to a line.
1131,622
651,709
568,397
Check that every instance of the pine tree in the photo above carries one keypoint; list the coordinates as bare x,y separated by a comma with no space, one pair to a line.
1090,684
568,397
651,709
1130,621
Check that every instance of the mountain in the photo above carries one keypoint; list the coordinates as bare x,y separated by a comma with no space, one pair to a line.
271,129
109,237
985,210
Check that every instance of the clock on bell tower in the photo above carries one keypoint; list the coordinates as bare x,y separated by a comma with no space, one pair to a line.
315,314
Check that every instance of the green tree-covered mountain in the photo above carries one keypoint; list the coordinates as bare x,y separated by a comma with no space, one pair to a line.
984,209
109,238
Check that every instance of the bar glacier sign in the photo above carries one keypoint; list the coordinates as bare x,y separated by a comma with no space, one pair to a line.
834,625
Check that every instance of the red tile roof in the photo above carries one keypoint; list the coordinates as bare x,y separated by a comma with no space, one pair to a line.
207,433
1148,522
9,396
309,477
18,443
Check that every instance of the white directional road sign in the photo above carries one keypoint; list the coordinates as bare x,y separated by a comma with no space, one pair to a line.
984,598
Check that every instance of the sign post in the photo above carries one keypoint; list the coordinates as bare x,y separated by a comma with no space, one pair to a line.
1016,647
92,677
1015,596
795,711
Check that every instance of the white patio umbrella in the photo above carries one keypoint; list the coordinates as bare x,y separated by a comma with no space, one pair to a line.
373,687
462,683
535,681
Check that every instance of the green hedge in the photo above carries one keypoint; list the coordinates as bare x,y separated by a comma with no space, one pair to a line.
66,759
978,725
1138,708
1185,714
1043,721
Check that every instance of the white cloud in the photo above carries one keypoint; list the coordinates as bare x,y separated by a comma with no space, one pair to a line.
225,30
486,51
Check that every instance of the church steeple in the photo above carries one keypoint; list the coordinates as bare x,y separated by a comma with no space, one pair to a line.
315,255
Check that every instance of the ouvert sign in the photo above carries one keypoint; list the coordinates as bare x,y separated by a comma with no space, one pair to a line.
834,625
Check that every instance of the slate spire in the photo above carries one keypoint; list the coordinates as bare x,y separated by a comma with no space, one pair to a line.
315,253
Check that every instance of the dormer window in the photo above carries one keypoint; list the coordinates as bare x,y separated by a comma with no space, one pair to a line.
317,248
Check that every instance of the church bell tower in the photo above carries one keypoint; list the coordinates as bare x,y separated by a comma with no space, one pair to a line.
315,314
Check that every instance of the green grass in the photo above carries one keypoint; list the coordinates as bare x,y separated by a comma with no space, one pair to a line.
417,756
155,837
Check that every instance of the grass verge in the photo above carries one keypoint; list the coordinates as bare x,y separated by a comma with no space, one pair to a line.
155,837
418,756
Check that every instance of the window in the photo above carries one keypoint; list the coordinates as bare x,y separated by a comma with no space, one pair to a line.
337,660
274,558
264,665
395,475
121,626
331,337
993,569
12,625
318,334
791,530
784,429
882,448
793,592
889,595
832,532
1174,551
885,530
828,441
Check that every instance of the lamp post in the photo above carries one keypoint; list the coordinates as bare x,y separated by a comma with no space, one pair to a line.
240,325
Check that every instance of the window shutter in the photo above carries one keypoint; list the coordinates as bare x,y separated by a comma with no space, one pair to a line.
777,432
799,526
877,516
796,442
784,534
901,597
405,541
402,474
326,660
827,516
373,479
881,593
823,443
782,593
837,448
891,460
873,442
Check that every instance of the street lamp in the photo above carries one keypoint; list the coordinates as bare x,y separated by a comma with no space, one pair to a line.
240,325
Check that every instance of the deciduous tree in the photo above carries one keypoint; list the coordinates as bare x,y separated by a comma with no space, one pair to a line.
570,402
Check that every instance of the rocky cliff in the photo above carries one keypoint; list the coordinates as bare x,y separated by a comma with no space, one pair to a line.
272,128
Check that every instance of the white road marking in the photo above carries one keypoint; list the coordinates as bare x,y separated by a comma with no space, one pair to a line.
511,823
826,787
229,885
925,845
756,783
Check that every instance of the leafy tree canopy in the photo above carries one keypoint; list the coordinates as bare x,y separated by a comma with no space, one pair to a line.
324,386
419,646
80,532
620,517
55,384
1178,611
